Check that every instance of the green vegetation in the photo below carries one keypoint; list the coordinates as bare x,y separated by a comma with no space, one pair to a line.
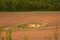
8,34
29,5
1,29
19,27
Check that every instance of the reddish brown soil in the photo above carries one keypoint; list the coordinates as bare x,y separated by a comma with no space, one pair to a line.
35,34
12,18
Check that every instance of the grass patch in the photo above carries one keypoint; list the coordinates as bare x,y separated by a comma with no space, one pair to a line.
19,27
25,27
8,35
1,30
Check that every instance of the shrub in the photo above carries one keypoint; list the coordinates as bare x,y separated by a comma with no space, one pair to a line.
29,5
8,5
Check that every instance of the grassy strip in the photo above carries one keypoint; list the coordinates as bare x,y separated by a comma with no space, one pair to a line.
1,29
0,33
8,35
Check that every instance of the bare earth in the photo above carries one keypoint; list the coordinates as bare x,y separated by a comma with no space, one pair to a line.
13,18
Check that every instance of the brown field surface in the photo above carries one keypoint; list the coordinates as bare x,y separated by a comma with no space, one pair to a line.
12,18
